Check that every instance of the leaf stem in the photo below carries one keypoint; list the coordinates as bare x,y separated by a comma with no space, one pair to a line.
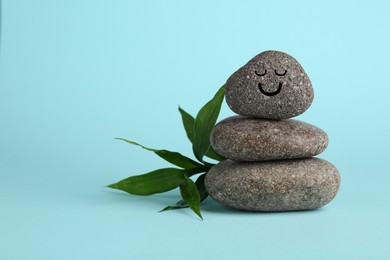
192,172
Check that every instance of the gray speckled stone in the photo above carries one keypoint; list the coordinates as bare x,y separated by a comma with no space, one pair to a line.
249,139
273,186
250,93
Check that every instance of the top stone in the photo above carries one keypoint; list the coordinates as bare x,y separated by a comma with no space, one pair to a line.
272,85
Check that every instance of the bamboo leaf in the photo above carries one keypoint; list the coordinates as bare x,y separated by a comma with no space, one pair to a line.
190,194
201,187
157,181
202,193
204,123
211,153
172,157
188,123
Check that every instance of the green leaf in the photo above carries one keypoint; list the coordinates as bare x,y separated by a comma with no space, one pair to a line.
188,123
211,153
201,188
157,181
204,123
172,157
190,194
202,193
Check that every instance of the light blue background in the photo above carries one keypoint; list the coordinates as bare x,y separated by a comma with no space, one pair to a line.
76,74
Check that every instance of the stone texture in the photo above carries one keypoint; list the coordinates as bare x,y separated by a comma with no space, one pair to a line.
250,93
248,139
273,186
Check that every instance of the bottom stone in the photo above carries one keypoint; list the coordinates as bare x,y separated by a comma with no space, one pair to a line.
273,185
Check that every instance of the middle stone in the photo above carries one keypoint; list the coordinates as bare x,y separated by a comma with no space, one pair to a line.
252,139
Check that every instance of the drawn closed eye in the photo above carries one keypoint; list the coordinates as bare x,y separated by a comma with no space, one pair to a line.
281,74
260,74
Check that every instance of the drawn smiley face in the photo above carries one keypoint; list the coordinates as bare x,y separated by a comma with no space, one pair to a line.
280,85
271,85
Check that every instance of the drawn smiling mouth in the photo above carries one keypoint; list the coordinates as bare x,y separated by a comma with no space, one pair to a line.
270,94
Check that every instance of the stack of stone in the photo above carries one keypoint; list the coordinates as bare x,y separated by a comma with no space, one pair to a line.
270,165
